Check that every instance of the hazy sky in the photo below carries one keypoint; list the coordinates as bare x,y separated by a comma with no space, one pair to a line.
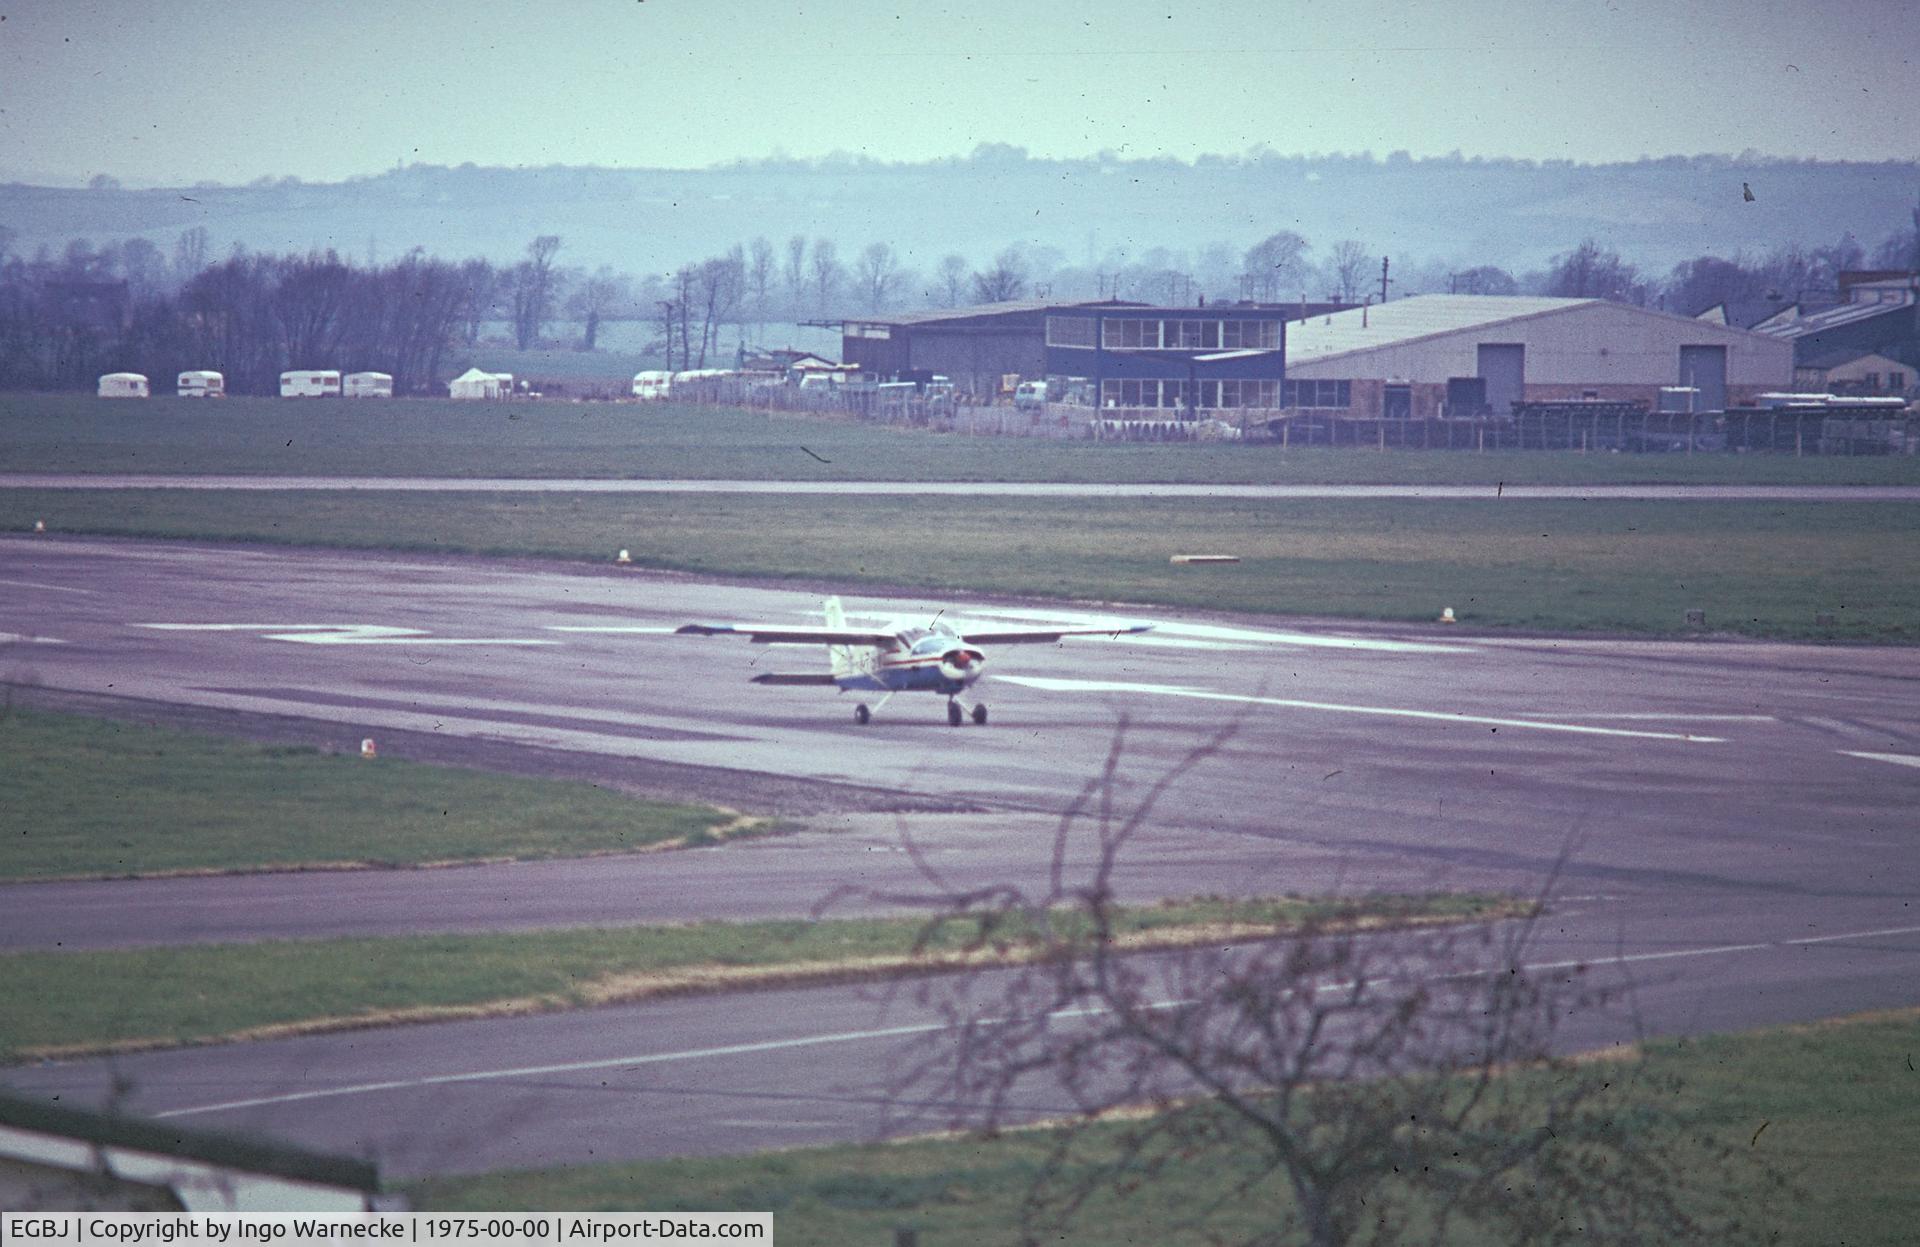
175,91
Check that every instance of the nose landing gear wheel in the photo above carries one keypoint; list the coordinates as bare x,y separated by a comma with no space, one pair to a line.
953,714
861,714
980,714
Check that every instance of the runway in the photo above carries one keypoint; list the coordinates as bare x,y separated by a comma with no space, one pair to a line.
1716,801
949,489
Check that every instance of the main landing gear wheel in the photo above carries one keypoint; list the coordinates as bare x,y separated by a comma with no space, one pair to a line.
953,714
980,713
861,714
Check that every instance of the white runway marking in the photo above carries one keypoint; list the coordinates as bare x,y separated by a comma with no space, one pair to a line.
1677,718
34,584
1898,759
894,1032
569,1067
1216,632
1048,684
347,634
21,638
609,628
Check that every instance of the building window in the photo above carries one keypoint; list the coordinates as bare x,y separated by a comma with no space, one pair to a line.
1324,394
1144,392
1241,335
1896,381
1070,331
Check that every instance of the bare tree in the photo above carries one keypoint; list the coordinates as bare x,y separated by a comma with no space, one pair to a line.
594,300
953,279
1590,271
877,271
760,269
1354,1086
190,254
716,290
1273,266
794,273
1482,279
827,273
531,290
1348,269
1006,280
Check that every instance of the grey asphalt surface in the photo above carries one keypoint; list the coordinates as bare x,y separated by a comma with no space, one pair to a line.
1715,801
1013,489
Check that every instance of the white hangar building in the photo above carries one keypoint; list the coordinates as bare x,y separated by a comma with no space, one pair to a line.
1405,357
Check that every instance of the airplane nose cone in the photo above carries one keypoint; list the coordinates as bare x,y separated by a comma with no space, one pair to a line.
962,664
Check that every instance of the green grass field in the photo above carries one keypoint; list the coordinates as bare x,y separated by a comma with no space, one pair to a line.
166,996
1840,1106
89,796
418,437
1759,569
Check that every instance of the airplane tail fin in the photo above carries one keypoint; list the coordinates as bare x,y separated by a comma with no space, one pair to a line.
839,657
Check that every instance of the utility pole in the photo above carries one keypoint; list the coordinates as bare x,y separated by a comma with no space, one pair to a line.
1383,279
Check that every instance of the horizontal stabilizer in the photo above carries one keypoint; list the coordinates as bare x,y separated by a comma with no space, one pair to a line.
774,677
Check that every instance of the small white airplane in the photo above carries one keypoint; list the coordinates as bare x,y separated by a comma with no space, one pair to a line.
897,658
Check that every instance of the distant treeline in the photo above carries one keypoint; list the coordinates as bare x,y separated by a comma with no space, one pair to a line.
67,318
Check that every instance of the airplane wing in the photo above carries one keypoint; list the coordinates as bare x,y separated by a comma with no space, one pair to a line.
774,634
775,677
1030,636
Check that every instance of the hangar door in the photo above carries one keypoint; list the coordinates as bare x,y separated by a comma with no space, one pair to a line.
1503,366
1705,369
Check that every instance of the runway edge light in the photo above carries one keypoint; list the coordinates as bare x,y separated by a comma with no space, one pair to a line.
1446,615
368,749
39,526
623,558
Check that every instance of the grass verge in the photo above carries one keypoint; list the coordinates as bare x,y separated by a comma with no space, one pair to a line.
412,437
1614,566
1839,1103
96,797
145,998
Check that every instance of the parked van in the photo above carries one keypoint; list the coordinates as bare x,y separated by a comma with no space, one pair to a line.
368,385
123,385
652,385
1030,395
200,383
303,383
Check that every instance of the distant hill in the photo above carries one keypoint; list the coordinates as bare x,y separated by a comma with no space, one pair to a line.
1515,214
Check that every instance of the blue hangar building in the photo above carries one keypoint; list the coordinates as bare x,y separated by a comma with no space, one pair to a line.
1180,360
1175,361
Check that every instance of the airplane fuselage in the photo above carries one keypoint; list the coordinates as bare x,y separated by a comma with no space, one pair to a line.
935,661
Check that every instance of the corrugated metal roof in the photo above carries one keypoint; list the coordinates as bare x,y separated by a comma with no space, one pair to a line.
1011,306
1247,353
1845,314
1409,320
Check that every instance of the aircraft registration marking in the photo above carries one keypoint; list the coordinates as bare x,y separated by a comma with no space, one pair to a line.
1049,684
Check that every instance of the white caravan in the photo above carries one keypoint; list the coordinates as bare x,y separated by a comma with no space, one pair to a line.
200,383
368,385
305,383
123,385
653,384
